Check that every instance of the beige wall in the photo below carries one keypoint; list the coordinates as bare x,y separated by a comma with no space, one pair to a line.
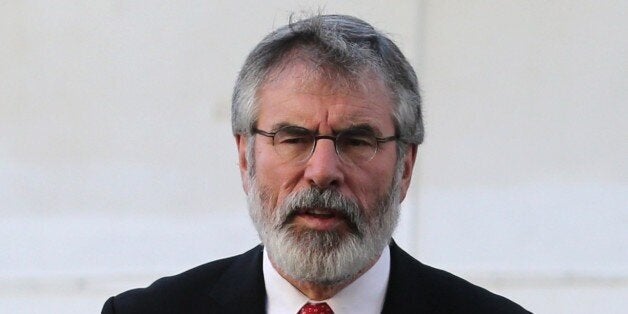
117,165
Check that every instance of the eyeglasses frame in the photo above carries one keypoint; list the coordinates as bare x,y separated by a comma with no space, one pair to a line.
378,140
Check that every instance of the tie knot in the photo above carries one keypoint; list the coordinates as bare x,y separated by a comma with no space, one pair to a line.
317,308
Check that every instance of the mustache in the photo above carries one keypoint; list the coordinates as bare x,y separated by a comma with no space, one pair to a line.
330,199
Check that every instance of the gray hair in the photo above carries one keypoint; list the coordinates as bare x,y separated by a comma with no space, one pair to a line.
339,45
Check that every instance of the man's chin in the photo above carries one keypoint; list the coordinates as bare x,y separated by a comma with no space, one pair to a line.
320,257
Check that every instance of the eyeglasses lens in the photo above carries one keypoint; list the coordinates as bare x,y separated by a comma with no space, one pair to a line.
297,144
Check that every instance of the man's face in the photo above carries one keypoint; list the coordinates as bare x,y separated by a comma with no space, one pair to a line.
356,196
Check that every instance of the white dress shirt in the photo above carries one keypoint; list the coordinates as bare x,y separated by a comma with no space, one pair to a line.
365,295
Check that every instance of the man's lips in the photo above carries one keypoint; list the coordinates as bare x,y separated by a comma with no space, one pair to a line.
321,213
322,219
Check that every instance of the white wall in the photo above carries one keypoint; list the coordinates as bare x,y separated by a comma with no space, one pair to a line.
523,182
117,165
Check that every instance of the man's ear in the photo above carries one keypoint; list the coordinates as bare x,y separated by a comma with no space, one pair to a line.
408,164
243,164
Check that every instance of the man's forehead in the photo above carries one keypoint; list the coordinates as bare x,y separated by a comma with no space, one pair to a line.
309,106
305,73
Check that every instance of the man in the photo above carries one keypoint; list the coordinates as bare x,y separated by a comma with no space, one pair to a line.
326,117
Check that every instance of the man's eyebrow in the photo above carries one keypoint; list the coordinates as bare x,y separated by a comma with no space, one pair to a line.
280,125
362,127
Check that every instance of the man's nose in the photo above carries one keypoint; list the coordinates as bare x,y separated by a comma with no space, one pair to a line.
323,168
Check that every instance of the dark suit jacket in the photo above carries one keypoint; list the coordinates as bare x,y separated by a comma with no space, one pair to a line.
236,285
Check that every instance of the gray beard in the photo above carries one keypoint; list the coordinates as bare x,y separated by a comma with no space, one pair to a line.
324,257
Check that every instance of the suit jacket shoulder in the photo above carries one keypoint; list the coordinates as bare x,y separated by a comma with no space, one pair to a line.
236,285
416,288
231,285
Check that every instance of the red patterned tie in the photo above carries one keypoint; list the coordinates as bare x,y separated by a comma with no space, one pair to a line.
318,308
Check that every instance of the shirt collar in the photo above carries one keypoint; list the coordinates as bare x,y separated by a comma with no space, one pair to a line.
365,295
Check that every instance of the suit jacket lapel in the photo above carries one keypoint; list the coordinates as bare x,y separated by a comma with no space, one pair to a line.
241,288
404,293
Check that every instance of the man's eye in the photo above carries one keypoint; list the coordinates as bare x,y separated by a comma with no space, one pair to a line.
358,141
294,140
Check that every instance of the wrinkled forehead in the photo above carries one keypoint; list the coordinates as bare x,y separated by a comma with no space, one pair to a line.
306,69
298,94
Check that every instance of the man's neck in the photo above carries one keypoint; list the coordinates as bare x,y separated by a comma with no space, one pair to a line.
319,292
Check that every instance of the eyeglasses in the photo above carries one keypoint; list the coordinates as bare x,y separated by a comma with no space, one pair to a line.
356,145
